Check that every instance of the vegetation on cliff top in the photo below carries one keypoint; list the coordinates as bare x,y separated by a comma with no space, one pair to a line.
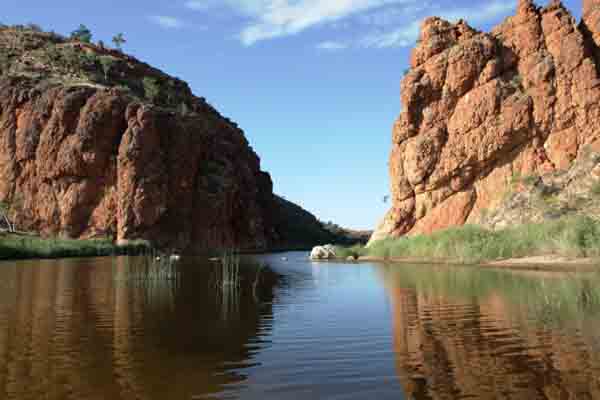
569,237
47,58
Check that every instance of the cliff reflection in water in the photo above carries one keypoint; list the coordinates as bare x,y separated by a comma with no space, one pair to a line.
112,328
494,334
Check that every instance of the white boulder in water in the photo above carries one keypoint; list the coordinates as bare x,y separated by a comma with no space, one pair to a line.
326,252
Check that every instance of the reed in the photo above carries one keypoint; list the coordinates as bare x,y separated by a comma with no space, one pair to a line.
237,281
150,267
227,284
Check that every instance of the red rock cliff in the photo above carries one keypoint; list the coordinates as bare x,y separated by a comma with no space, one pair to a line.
95,143
89,162
479,108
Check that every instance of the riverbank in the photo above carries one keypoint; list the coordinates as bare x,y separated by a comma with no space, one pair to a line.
19,247
569,242
536,263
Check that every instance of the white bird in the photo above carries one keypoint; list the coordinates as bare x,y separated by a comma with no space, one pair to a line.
175,257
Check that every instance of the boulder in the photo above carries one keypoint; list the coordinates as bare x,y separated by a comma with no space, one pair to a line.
326,252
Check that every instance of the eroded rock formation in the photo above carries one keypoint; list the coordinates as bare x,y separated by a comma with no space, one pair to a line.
480,108
96,143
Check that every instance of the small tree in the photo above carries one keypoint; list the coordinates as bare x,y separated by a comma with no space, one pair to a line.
106,62
4,211
82,34
119,40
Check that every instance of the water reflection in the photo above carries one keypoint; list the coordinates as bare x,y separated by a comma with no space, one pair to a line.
462,334
121,329
83,329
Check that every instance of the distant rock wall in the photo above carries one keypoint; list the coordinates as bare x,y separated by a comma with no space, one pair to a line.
480,108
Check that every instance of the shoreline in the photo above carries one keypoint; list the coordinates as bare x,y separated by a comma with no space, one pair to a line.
22,247
532,263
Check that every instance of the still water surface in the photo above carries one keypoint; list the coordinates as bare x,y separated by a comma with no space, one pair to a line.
112,329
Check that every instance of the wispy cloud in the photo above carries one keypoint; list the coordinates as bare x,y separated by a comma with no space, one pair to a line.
199,5
269,19
408,34
378,19
167,22
331,46
277,18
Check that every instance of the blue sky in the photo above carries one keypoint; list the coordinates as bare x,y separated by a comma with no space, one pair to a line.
313,83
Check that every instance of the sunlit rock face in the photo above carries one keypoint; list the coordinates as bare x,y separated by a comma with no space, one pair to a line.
479,108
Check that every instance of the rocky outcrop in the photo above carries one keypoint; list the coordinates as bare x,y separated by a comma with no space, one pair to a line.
86,162
480,108
95,143
574,192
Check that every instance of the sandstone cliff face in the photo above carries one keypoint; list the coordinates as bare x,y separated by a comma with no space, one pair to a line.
87,162
480,108
95,143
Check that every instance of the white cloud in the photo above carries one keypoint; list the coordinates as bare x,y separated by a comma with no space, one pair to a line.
331,46
408,34
167,22
492,10
283,17
199,5
269,19
393,15
401,37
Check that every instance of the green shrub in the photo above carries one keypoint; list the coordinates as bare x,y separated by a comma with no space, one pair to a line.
151,88
106,63
82,34
530,179
354,251
119,40
595,190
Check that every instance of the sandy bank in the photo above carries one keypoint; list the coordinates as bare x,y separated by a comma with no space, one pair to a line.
540,263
